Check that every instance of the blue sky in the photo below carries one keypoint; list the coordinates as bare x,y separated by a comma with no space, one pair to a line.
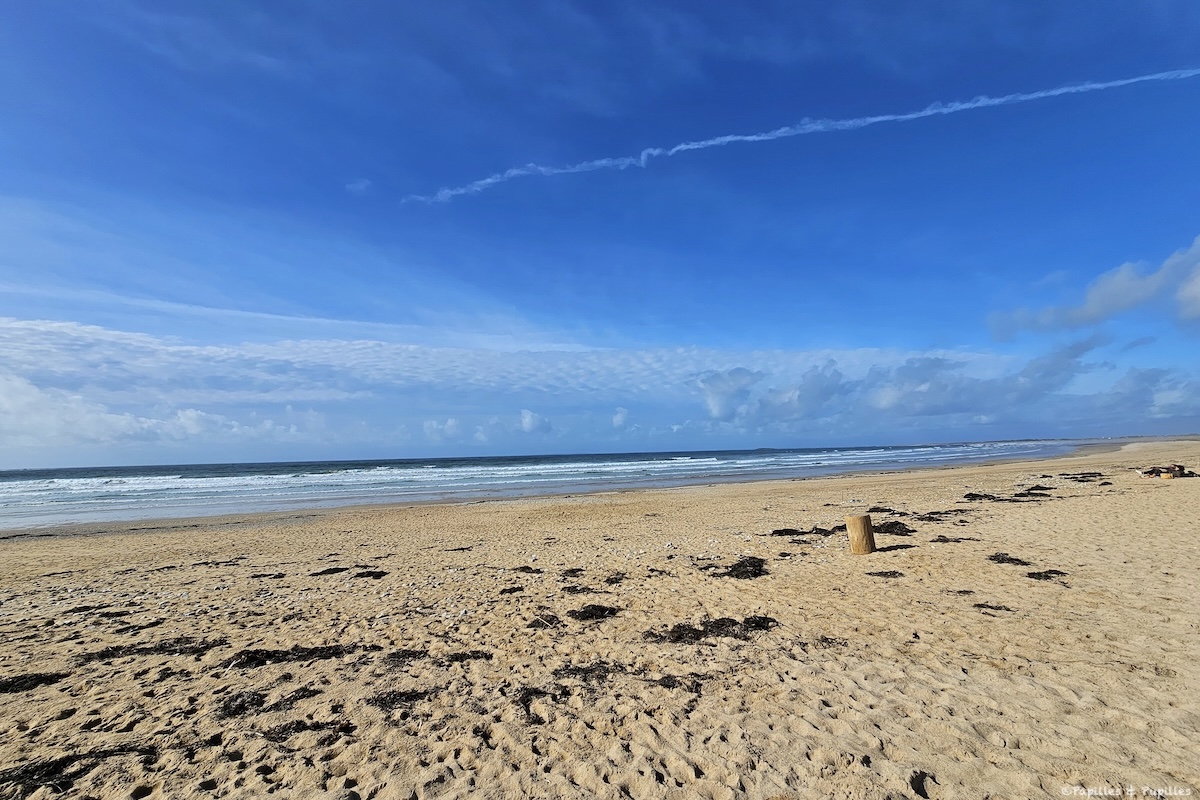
269,231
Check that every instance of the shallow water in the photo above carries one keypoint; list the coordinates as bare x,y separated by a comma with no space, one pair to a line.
36,498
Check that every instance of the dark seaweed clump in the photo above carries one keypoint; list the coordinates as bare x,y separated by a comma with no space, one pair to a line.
249,659
572,572
374,574
528,570
23,683
1005,558
544,621
1046,574
990,607
512,590
390,701
240,704
573,589
590,673
979,496
615,578
942,539
593,612
525,700
889,573
894,528
401,658
329,571
937,516
787,532
281,732
745,568
470,655
60,774
182,646
712,628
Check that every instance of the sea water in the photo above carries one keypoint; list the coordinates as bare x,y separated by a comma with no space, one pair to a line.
45,497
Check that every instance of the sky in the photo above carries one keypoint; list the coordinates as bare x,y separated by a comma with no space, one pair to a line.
265,231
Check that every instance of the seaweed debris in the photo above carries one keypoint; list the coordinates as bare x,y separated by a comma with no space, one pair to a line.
1005,558
990,607
887,573
1046,575
23,683
544,622
249,659
593,612
745,568
525,699
390,701
894,527
180,646
401,658
59,774
710,628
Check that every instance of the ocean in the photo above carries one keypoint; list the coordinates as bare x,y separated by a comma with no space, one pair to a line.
48,497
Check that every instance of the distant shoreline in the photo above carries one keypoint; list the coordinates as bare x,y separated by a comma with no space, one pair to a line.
254,518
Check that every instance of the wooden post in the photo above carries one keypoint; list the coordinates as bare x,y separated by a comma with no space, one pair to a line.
862,535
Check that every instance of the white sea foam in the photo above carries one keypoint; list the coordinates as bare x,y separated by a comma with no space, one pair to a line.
62,496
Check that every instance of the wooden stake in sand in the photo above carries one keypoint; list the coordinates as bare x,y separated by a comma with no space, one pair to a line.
862,535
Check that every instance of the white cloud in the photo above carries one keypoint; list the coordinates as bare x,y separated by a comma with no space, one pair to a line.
532,422
360,186
726,391
33,417
1114,292
1189,295
436,431
67,383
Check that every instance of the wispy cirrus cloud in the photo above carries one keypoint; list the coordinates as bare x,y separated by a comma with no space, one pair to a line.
802,128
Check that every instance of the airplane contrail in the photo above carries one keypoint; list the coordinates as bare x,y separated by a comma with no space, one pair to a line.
802,128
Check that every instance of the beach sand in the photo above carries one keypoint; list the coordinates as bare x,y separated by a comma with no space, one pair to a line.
1005,648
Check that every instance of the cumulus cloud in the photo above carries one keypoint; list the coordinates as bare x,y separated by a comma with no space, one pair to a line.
436,431
805,399
728,390
34,417
1115,292
67,383
532,422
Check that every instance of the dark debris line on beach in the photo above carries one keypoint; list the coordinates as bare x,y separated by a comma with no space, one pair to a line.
710,628
248,659
60,774
24,683
179,646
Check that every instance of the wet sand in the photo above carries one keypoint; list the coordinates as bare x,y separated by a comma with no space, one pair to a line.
1038,638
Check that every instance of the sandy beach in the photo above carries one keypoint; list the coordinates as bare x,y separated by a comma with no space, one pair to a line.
1025,629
